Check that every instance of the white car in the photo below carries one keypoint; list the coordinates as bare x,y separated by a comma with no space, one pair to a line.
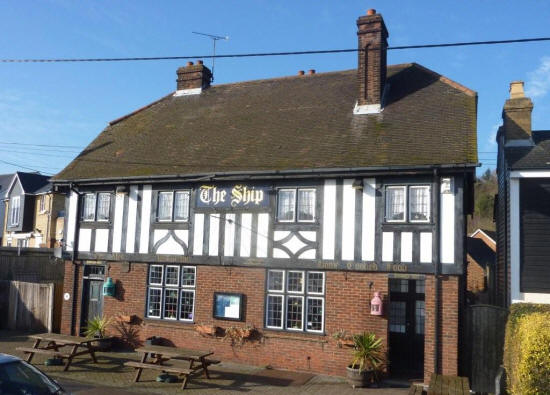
18,377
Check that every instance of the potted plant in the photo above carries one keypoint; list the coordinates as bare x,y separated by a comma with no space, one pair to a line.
206,330
368,359
97,328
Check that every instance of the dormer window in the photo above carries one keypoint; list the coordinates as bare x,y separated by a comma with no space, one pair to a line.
96,207
15,210
173,206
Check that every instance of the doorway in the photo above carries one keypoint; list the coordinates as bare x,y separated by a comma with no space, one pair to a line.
406,328
92,294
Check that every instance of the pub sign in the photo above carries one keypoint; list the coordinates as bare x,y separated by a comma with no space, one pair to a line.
240,195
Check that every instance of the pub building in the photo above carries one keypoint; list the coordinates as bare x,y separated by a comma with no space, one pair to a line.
304,207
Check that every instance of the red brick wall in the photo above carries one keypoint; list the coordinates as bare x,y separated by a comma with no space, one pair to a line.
476,276
66,313
347,299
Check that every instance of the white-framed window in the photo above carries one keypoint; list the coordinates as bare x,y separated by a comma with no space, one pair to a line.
96,207
42,203
296,205
171,292
15,210
295,300
408,204
173,206
419,203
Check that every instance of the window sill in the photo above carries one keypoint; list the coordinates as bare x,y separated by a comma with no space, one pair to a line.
291,335
190,326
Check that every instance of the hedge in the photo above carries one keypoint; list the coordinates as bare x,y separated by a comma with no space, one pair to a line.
527,349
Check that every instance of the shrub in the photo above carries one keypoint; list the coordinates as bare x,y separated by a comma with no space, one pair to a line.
527,349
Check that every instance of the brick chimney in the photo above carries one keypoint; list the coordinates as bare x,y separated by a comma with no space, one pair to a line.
516,116
371,70
192,79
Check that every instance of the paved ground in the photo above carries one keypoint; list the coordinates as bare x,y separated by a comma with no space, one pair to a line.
112,377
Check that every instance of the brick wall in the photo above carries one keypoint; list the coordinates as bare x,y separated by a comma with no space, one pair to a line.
476,276
347,299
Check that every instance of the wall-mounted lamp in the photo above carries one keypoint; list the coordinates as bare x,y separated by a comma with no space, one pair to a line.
357,184
109,287
447,185
376,304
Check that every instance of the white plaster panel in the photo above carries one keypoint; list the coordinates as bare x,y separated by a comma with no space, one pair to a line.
369,218
280,234
309,235
101,240
307,254
329,218
117,227
170,247
348,220
246,234
425,247
132,218
448,226
71,221
145,219
263,235
294,244
159,234
229,237
84,240
387,246
278,253
406,246
198,236
213,239
183,235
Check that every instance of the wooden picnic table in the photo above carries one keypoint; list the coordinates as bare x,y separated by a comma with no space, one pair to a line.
448,385
56,341
160,354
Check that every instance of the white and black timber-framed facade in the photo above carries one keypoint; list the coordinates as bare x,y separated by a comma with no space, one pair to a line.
290,200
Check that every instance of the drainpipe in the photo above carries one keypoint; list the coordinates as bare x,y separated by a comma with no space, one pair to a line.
437,253
75,267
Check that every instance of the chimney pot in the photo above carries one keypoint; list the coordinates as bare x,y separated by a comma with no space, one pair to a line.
311,71
371,11
200,62
300,72
193,78
516,89
189,63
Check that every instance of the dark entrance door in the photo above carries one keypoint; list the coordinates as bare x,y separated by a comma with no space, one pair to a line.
406,328
92,294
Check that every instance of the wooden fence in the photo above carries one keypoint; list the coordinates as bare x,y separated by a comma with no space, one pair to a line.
484,340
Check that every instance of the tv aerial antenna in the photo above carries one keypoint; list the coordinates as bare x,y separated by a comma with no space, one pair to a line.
214,38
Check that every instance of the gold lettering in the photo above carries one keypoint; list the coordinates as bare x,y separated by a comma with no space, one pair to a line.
236,195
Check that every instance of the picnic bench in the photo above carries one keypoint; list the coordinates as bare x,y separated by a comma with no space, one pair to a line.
196,359
55,342
448,385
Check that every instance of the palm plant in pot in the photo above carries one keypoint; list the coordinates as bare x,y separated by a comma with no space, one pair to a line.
368,360
97,329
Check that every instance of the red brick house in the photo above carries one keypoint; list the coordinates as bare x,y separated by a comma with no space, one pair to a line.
283,204
481,256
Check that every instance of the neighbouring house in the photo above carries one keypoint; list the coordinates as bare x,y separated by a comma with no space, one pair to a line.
32,212
523,204
481,256
283,204
5,181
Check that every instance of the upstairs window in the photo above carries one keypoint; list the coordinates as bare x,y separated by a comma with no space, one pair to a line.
42,202
292,209
96,207
173,206
412,204
15,210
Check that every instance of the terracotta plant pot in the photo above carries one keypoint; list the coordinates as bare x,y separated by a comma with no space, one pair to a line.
208,330
359,378
103,344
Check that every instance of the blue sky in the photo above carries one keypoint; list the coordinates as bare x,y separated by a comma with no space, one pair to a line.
70,103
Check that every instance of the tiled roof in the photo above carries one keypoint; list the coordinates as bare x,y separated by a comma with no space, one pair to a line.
293,123
480,252
33,182
531,157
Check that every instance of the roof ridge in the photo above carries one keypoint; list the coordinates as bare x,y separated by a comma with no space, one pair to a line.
122,118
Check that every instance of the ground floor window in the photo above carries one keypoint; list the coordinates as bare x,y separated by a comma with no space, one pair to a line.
171,292
295,300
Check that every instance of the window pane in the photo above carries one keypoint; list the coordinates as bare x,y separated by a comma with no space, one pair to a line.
397,317
274,311
419,317
155,275
103,206
42,203
153,302
399,285
420,286
295,282
315,282
275,280
170,303
419,203
181,206
15,204
286,204
395,204
172,275
89,207
164,211
294,311
306,205
188,276
314,314
187,304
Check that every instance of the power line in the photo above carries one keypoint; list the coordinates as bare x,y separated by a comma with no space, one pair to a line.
260,54
42,145
27,168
